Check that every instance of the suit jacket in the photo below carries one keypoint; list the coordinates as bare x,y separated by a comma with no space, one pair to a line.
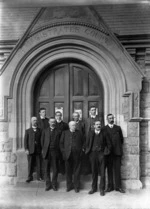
65,143
81,127
116,137
62,126
43,124
45,141
90,122
29,140
103,142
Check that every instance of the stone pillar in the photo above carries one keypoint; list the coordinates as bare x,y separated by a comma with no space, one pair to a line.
145,133
7,157
130,170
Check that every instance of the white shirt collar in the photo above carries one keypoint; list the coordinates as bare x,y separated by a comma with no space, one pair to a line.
111,125
34,128
42,117
97,132
93,116
58,121
72,131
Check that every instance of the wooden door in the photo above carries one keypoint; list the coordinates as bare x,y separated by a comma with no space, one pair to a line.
68,87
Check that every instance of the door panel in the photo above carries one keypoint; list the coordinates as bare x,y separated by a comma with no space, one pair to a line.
68,87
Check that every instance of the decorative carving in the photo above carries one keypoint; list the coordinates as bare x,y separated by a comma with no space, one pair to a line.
65,24
66,29
136,105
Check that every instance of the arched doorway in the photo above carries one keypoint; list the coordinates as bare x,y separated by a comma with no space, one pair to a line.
68,86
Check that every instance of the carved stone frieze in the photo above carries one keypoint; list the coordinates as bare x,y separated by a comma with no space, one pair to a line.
68,29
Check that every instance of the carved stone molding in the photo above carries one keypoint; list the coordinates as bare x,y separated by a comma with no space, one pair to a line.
132,106
71,23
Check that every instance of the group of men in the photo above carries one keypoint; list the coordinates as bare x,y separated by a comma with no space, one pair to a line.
58,142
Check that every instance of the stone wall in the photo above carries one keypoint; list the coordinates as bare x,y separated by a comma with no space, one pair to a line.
104,54
145,134
8,159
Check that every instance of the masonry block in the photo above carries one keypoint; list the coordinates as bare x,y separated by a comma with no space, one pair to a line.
146,182
133,129
22,166
3,127
5,180
132,141
130,167
132,184
5,157
13,158
8,146
134,150
11,169
2,169
3,137
1,147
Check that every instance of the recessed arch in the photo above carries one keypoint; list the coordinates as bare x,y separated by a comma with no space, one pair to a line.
97,58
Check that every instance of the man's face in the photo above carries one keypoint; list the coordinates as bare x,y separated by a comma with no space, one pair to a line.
34,121
110,119
58,116
72,126
97,125
93,111
76,116
52,122
43,113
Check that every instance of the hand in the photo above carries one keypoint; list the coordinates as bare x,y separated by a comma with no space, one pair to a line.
27,152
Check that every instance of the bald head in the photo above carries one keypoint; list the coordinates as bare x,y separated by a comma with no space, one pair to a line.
72,125
34,121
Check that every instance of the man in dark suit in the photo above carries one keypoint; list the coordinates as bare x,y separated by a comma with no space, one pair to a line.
113,160
32,147
91,120
79,124
61,126
71,145
50,150
96,144
43,121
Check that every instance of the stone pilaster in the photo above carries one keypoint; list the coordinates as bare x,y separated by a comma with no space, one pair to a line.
7,157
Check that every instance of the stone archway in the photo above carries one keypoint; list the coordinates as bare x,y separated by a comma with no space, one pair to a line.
103,69
120,77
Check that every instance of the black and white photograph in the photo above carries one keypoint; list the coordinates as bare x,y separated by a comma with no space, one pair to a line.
74,104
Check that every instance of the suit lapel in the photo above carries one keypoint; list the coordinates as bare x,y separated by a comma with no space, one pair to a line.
92,138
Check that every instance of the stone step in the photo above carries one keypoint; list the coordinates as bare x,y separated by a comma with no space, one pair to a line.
85,182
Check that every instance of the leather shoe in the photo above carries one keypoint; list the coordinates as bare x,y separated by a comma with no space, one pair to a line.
40,179
28,180
48,188
109,189
76,190
69,189
120,190
102,193
92,191
54,188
